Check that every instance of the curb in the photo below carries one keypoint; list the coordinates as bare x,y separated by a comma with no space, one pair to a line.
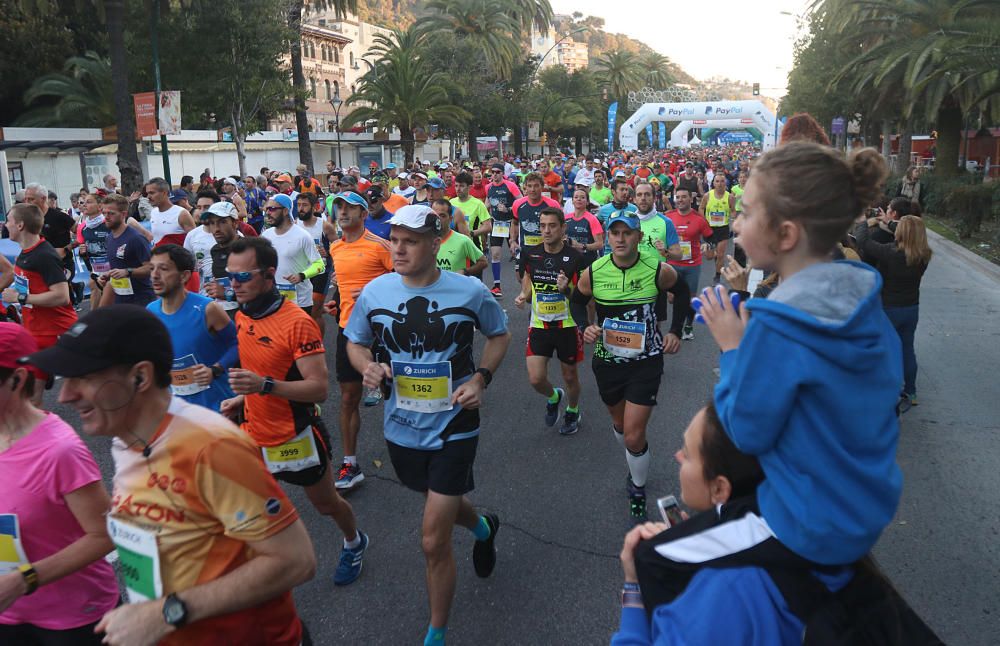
990,269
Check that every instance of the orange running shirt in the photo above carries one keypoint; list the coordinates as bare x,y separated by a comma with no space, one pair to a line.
205,492
355,264
269,347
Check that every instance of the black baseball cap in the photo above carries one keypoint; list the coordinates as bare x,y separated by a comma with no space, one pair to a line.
375,193
118,335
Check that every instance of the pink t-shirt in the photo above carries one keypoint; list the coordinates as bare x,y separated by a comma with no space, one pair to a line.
37,472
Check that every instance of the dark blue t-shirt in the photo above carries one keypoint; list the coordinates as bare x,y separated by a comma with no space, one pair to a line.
380,225
130,251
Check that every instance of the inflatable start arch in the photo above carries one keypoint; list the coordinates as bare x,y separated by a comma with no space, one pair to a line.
700,113
678,136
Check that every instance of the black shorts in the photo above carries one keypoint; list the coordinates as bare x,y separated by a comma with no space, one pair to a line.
321,283
566,343
720,234
31,634
310,476
637,382
446,471
345,371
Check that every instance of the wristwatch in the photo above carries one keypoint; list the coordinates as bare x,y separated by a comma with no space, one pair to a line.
22,298
302,277
217,371
30,576
175,612
129,272
486,374
267,386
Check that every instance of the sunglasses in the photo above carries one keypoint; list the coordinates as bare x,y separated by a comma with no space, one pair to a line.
272,209
242,276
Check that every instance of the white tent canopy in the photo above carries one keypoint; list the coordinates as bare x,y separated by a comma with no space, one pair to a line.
708,112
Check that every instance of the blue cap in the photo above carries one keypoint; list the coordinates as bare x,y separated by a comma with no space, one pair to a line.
435,182
283,200
177,195
351,197
631,220
390,166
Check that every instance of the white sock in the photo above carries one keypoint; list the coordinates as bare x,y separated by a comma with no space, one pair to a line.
638,466
619,435
351,459
352,544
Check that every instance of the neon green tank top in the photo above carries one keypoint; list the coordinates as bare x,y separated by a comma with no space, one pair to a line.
717,209
626,301
737,192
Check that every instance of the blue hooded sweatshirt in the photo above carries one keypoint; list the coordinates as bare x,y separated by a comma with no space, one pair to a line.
811,391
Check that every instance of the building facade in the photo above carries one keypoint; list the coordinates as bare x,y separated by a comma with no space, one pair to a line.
573,55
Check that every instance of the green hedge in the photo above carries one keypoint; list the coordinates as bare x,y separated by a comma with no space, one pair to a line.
964,198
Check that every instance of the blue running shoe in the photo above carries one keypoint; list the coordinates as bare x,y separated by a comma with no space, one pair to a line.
351,560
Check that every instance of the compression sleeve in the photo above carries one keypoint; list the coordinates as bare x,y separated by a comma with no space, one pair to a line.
578,308
682,305
315,269
227,336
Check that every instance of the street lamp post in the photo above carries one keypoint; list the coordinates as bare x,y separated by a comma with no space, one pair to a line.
336,102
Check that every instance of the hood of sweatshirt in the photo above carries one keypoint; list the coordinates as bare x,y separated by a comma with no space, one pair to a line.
828,308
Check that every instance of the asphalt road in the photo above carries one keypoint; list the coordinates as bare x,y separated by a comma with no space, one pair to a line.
563,510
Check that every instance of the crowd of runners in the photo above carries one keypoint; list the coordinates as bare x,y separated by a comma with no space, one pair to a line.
202,353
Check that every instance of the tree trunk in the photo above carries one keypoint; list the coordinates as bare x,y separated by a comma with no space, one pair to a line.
905,145
128,156
886,139
239,137
578,144
473,142
949,129
518,141
406,141
299,81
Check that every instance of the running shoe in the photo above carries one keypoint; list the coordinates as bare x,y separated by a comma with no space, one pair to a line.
496,291
717,280
571,423
636,502
350,476
372,397
688,333
351,560
905,403
484,553
552,410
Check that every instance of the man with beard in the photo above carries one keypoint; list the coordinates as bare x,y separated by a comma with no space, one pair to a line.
298,259
128,257
322,232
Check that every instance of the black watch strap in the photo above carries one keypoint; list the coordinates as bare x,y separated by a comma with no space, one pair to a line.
174,611
217,371
487,375
267,386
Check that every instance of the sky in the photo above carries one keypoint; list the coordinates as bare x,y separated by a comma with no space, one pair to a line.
740,39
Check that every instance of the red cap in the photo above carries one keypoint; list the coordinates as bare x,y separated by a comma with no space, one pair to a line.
15,342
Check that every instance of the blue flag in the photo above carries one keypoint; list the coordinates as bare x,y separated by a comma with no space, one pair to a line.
663,135
612,118
649,134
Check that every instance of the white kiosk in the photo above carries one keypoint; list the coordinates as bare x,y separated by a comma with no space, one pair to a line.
700,114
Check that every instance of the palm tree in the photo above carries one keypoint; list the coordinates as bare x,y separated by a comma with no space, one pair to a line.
403,91
295,8
79,96
911,39
531,12
656,70
488,24
619,72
